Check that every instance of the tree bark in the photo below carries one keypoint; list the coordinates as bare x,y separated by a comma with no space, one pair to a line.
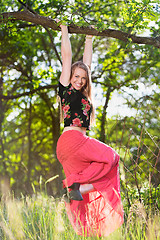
55,129
50,23
103,120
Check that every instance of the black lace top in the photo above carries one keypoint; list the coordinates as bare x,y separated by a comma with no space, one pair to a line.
75,106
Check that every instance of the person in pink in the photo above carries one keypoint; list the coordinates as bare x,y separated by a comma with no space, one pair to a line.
91,167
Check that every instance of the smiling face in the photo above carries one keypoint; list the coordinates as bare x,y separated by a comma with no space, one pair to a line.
79,78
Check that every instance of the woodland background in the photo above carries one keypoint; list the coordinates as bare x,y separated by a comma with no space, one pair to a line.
126,65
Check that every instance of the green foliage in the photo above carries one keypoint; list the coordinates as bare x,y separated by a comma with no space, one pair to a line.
29,151
29,118
148,196
30,69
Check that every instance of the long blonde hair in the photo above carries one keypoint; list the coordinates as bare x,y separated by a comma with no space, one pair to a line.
87,89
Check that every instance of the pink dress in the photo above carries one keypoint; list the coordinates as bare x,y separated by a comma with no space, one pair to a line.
87,160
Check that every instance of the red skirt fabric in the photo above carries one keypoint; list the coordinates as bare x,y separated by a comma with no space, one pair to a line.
87,160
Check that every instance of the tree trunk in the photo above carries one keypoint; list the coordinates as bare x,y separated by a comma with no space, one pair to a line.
103,119
4,178
29,165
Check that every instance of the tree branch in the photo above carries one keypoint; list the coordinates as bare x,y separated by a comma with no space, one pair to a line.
50,23
28,93
53,45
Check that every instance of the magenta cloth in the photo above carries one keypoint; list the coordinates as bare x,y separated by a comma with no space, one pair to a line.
87,160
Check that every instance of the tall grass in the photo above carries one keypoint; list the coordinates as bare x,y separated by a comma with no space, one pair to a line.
44,218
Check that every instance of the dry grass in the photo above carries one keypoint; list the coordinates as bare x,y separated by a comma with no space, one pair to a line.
44,218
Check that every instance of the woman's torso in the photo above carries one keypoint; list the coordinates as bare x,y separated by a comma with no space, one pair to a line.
80,129
76,108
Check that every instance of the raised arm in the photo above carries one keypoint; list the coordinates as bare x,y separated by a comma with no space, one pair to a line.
87,56
66,53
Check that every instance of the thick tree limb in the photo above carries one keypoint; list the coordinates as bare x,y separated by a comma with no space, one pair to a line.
50,23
